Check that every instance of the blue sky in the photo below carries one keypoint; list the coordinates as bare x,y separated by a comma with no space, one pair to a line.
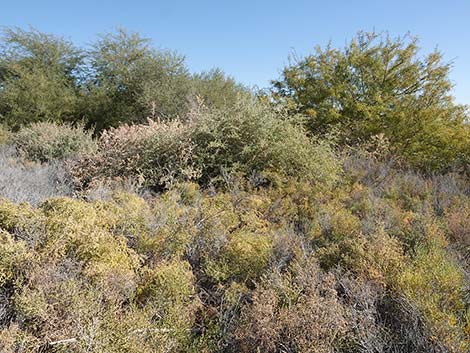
251,40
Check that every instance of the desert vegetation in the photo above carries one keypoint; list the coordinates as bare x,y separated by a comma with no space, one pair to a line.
145,208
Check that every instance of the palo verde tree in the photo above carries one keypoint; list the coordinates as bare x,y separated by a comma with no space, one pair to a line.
38,77
379,85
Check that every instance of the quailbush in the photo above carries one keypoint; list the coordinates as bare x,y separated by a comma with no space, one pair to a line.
248,138
45,141
158,154
5,134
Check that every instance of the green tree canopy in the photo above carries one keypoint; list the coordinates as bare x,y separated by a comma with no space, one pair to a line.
130,80
121,78
38,77
216,89
379,85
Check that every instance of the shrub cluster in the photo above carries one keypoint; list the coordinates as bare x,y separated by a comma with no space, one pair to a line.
295,222
248,138
45,142
288,266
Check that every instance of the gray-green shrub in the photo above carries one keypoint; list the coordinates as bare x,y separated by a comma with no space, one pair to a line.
248,137
47,141
251,136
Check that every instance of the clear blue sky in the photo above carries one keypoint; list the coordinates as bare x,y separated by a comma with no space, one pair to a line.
251,40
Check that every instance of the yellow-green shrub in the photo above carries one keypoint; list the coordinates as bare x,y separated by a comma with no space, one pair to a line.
436,284
13,257
14,216
376,257
82,230
167,293
243,258
167,284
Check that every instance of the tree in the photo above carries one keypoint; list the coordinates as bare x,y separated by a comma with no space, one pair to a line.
130,80
38,77
216,89
379,85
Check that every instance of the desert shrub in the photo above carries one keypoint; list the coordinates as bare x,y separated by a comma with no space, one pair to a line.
448,190
369,169
15,217
404,327
410,190
436,283
5,135
166,283
13,339
376,257
158,153
338,222
22,181
54,295
297,311
458,222
13,255
44,142
251,136
244,257
246,138
169,291
233,241
172,229
81,231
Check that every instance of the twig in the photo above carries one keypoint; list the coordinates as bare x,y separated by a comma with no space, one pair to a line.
64,341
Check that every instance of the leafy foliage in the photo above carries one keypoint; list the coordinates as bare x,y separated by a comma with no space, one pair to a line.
121,78
249,137
379,85
45,142
130,81
217,90
37,77
227,223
